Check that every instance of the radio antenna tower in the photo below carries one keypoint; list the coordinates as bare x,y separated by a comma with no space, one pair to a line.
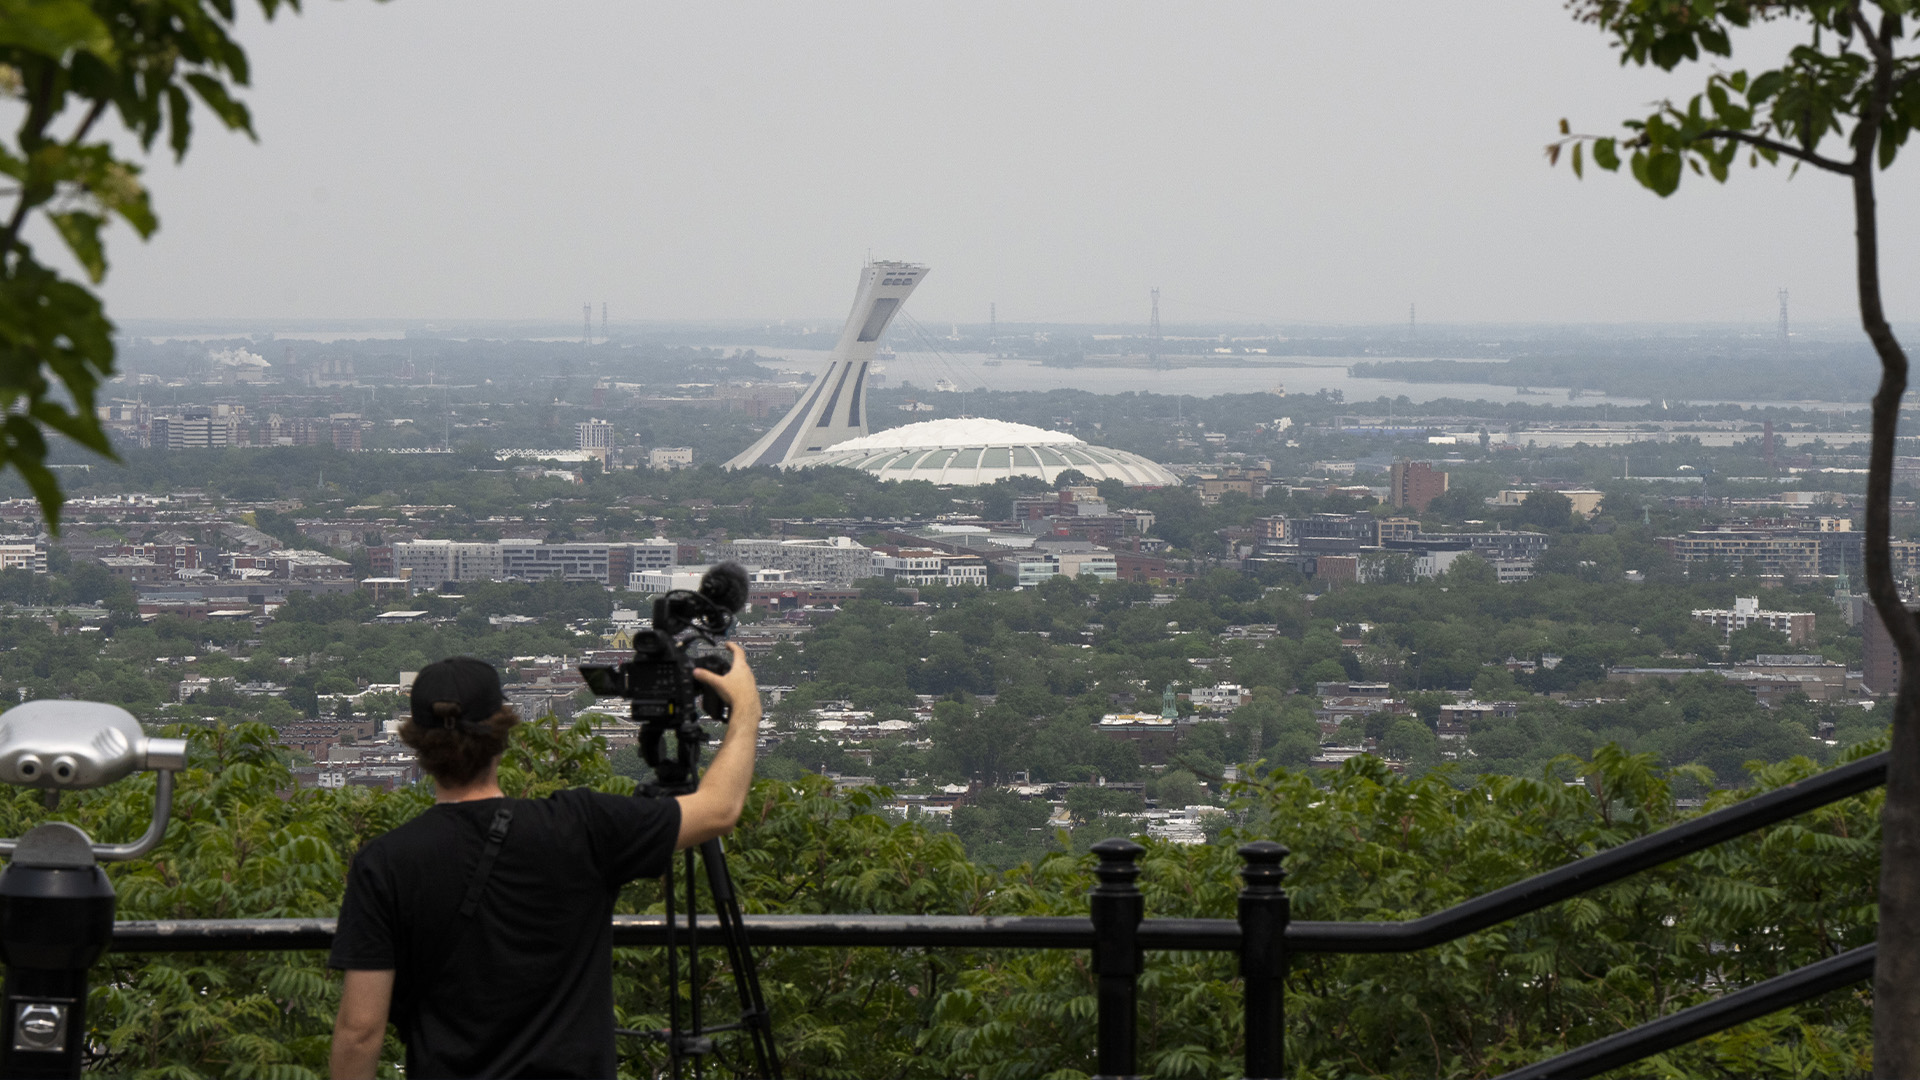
1153,331
993,329
1785,337
586,313
603,320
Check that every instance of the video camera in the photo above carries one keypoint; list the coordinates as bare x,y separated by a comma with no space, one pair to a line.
686,632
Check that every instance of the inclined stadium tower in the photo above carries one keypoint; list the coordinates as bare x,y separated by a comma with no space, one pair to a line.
828,425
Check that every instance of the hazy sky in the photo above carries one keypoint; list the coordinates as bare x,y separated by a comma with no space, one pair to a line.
1287,161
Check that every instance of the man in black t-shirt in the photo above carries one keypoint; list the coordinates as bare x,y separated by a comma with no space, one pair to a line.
483,927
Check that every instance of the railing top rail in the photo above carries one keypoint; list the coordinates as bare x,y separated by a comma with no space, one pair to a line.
774,931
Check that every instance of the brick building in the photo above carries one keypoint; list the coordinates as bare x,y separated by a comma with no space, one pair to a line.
1880,664
1415,484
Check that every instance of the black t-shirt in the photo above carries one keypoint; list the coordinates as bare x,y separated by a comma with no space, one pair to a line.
525,986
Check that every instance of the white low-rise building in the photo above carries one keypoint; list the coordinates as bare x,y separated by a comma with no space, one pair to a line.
1187,825
1221,697
1098,564
924,567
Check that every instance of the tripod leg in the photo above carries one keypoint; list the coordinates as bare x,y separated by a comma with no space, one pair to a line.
693,965
746,974
673,977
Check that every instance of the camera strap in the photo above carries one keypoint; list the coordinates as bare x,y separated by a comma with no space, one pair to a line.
496,836
408,992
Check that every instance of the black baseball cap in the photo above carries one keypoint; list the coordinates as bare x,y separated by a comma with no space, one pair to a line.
471,684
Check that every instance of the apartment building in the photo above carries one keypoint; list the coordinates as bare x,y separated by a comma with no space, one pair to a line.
593,435
23,553
1415,484
1777,551
1880,661
836,560
431,563
197,430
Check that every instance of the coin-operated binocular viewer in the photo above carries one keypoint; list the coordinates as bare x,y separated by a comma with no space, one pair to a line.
56,904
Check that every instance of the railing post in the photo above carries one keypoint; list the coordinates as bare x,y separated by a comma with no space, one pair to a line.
1117,908
1264,911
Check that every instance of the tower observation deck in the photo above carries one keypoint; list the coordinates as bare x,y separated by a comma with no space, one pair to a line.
833,409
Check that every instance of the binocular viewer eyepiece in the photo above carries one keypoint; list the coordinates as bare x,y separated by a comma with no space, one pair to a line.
77,745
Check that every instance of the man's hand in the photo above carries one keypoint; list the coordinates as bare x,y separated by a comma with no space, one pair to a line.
736,686
713,810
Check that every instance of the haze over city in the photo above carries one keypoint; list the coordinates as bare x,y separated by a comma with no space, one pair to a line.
1289,163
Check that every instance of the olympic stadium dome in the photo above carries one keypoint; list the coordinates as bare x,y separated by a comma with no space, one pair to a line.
978,451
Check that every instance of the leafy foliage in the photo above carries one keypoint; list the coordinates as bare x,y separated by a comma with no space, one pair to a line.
1846,81
1368,844
148,63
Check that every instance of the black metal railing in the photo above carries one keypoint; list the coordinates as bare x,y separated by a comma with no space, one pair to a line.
1263,934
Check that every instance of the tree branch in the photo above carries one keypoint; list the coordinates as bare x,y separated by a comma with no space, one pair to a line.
1882,43
1877,45
1764,143
32,132
93,114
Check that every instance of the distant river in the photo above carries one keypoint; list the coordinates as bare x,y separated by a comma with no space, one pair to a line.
969,371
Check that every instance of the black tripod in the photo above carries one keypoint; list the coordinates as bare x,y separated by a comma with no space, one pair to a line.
695,1041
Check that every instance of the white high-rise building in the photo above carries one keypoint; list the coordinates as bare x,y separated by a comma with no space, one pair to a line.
593,435
833,409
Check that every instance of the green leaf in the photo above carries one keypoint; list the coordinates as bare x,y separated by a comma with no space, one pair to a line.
54,28
1578,172
1606,154
1663,173
214,93
179,121
25,449
81,231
